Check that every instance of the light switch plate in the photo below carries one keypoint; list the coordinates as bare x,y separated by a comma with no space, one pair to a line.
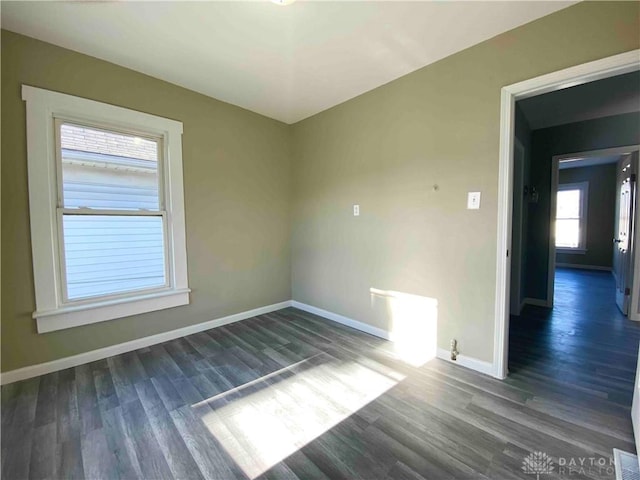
473,201
356,210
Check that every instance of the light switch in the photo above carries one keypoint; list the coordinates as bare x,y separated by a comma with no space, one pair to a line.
356,210
473,201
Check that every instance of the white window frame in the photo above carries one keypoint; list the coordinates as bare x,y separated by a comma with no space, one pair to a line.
584,210
43,107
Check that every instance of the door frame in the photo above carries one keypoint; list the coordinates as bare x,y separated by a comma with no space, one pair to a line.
588,72
555,174
634,313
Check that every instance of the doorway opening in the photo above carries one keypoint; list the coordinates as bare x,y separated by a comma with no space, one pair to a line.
593,203
575,343
582,74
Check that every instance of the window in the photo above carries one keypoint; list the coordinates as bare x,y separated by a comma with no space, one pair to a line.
571,217
106,205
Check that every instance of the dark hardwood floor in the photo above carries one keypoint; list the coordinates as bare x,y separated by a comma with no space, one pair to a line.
290,395
583,347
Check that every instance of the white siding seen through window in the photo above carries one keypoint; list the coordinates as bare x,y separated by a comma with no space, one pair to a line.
105,175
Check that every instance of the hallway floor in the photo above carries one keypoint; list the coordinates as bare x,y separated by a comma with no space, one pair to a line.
584,345
583,349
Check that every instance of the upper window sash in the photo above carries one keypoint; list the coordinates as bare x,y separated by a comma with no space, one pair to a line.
59,121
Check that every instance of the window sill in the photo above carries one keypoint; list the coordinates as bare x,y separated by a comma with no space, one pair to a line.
576,251
76,315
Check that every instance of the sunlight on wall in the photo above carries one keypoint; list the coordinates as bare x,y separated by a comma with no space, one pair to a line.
273,420
413,324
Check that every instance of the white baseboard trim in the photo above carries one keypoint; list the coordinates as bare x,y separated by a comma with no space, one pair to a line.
468,362
583,267
537,302
349,322
101,353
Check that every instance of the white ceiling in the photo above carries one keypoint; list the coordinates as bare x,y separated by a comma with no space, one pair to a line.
588,161
288,62
611,96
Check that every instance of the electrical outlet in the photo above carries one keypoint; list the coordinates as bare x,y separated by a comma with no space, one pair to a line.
356,210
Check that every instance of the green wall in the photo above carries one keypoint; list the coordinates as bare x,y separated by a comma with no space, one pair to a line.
601,212
237,189
606,132
268,206
386,149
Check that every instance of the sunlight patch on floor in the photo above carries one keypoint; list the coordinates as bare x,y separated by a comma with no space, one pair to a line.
265,426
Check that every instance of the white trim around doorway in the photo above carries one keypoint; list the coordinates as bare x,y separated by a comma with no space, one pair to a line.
589,72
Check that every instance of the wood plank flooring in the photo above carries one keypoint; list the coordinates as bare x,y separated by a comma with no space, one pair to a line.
292,396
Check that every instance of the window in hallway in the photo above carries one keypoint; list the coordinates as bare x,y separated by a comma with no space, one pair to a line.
571,216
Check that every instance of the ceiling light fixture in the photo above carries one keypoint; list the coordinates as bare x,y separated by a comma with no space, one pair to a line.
283,3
